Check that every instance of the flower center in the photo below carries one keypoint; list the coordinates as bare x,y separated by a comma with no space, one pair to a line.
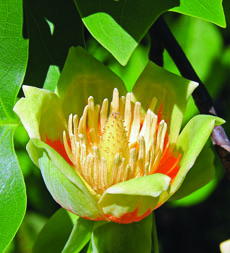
108,148
114,140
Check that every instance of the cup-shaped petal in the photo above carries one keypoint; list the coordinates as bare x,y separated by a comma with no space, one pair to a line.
190,143
171,91
134,199
84,76
65,185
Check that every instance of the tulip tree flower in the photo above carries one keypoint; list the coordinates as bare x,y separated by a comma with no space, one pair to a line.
108,154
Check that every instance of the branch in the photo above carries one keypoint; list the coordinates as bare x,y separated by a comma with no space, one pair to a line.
201,96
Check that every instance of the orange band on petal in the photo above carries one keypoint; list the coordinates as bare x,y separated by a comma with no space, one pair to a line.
169,163
59,147
129,217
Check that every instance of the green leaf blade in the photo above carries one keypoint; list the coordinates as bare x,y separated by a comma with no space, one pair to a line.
209,10
13,51
120,25
12,189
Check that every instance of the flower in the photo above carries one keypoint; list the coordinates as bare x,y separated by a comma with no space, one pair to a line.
117,161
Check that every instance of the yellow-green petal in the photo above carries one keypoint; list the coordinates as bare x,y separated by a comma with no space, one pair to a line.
65,185
172,93
190,143
41,113
141,193
84,76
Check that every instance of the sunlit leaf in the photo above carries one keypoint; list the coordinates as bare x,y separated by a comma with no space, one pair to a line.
13,51
193,36
120,25
209,10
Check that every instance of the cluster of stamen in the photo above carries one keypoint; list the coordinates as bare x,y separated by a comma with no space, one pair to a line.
108,148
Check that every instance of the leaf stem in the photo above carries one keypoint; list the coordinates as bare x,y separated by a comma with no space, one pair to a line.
155,239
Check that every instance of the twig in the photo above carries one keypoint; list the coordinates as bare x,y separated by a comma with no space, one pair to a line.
201,96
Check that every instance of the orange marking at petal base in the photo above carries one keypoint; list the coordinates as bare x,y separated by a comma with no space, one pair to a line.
129,217
169,163
124,219
99,218
59,147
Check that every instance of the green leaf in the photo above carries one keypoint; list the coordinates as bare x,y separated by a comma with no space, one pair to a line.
120,25
13,195
141,194
193,36
13,51
190,143
200,174
118,238
209,10
80,236
52,28
55,233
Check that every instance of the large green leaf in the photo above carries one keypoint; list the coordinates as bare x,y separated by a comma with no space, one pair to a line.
118,238
120,25
193,36
13,51
55,233
209,10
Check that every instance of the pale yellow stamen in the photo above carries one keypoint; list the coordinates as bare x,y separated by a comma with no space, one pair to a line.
104,112
108,149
